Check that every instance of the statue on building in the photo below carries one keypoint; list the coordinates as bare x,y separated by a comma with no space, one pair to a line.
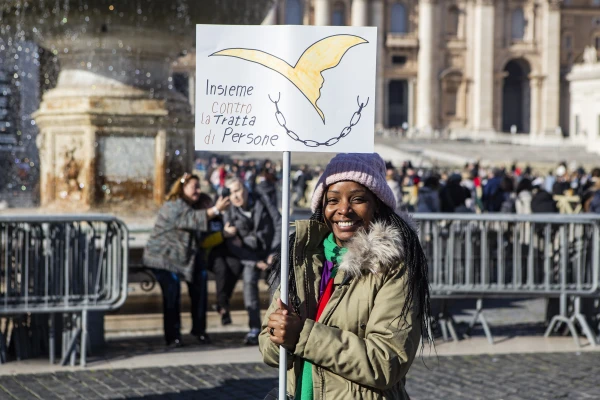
590,55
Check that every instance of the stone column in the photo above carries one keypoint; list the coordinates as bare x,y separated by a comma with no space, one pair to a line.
483,71
322,12
426,79
551,69
498,85
360,13
378,20
411,102
535,84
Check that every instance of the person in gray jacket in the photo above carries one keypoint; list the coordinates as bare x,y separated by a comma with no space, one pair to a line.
175,252
258,225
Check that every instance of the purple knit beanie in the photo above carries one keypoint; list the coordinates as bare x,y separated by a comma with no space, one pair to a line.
367,169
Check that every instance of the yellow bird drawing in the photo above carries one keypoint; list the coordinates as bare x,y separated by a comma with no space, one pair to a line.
306,75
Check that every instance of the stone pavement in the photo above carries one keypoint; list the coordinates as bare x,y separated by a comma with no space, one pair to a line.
499,377
521,365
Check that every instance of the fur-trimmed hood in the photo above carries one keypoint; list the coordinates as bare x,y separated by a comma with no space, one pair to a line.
369,308
376,251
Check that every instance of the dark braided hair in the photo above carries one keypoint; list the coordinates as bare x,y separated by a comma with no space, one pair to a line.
417,293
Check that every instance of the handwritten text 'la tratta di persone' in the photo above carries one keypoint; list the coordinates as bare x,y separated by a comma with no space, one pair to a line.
233,114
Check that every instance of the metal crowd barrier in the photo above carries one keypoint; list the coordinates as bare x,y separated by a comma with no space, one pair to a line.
66,265
507,255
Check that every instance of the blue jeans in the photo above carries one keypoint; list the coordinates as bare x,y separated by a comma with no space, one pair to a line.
170,285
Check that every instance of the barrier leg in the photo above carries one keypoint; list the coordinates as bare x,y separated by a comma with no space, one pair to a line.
84,337
76,333
70,353
447,323
66,339
483,321
444,329
2,346
480,317
556,320
16,335
3,342
2,349
451,329
51,339
585,327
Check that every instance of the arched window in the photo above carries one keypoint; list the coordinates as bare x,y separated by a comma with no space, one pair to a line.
293,12
518,24
399,20
452,21
338,17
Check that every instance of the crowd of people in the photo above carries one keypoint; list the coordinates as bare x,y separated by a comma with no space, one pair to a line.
225,218
497,189
354,241
473,188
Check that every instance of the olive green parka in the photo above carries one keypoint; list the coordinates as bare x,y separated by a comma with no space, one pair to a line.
360,347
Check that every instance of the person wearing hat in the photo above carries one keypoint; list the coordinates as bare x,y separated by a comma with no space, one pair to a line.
358,290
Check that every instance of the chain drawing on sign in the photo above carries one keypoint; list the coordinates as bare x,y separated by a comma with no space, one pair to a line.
313,143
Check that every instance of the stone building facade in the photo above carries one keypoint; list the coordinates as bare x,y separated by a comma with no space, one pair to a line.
470,68
584,81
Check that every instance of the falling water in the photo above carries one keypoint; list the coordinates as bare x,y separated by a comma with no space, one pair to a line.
39,39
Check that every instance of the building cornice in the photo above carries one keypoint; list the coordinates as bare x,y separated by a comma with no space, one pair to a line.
584,72
554,5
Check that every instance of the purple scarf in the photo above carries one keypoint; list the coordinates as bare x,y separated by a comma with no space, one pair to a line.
327,268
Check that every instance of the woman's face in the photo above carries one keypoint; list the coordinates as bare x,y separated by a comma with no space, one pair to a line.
191,190
239,194
349,206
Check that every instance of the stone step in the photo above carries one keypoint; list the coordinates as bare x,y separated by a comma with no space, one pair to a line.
140,301
141,325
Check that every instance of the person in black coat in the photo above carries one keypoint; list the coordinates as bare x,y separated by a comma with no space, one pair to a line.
258,226
453,196
542,201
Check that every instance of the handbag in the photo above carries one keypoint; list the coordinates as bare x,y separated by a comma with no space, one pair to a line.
274,395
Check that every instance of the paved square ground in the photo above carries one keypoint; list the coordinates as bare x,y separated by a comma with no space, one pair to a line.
499,377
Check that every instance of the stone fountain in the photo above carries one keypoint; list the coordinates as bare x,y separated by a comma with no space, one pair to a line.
113,131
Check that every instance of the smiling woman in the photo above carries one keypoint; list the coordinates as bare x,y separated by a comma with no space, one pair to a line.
359,297
348,206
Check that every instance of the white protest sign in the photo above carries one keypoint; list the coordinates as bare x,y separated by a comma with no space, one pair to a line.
285,88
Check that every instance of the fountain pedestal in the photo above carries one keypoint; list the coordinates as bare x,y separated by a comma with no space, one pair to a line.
114,131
